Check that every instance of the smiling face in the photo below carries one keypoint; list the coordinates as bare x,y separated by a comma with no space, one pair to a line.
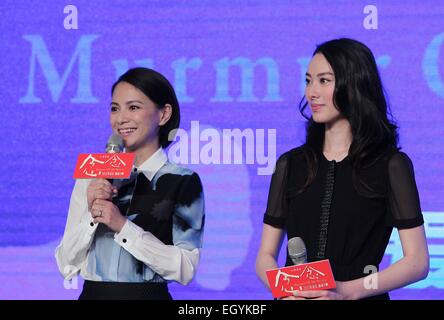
319,90
135,118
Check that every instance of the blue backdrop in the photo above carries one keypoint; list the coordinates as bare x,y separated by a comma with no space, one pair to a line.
235,65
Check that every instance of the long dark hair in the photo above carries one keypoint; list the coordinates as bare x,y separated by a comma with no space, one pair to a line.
359,97
160,91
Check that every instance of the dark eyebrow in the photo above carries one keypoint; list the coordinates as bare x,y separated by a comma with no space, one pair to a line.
128,102
320,74
132,101
324,74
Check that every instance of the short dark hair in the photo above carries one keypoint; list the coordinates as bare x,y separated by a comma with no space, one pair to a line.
160,91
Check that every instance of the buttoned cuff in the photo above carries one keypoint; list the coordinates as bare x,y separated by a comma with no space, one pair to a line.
88,224
129,234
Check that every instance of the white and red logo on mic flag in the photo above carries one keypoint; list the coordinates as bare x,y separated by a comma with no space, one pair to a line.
104,165
303,277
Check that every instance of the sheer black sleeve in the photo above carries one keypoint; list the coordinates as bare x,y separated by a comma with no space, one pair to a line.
276,213
403,199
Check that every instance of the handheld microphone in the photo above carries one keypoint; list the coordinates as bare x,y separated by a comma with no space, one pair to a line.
114,145
297,251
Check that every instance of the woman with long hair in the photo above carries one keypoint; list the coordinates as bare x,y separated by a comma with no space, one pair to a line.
348,185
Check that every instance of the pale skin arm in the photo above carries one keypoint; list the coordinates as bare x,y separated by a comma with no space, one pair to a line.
268,251
413,267
271,243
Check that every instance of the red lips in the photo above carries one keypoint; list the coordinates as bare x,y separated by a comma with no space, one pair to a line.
316,107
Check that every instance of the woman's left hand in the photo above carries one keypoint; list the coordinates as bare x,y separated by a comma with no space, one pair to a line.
104,211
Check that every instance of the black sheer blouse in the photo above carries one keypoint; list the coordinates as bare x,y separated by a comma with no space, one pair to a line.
337,219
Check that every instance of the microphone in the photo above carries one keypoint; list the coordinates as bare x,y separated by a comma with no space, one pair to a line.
286,281
114,144
297,251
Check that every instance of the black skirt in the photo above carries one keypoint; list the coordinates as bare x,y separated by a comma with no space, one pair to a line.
100,290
